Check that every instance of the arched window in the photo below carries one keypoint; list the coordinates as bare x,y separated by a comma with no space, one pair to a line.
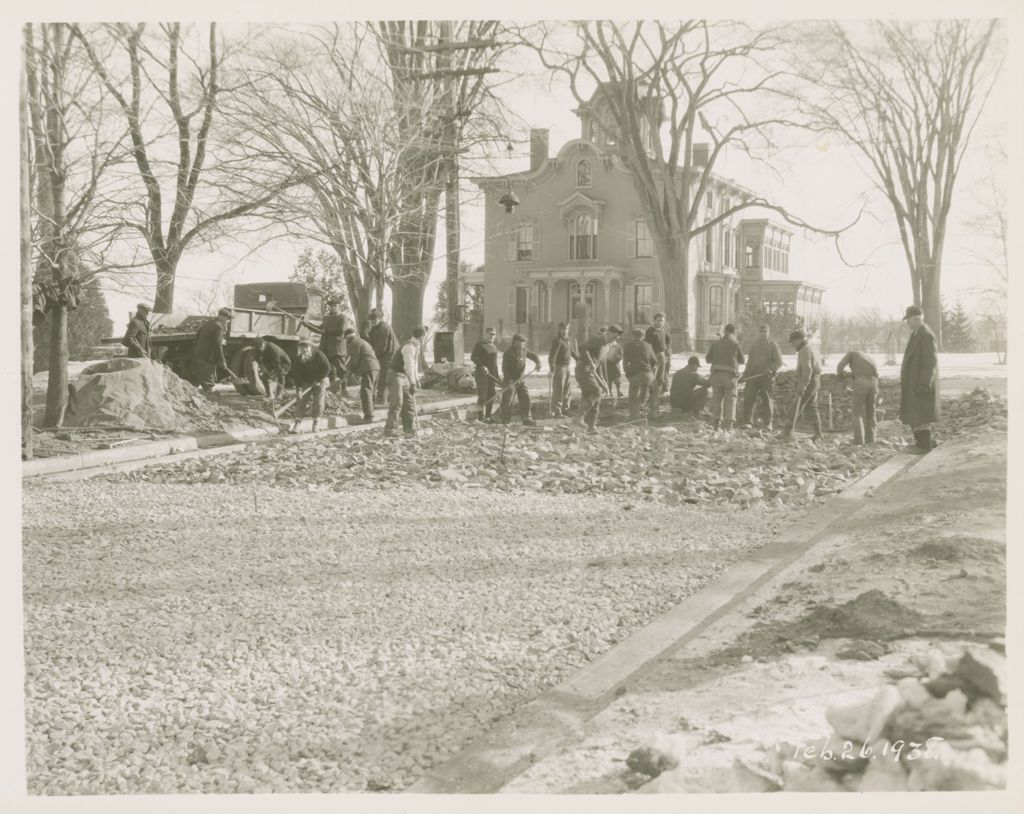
715,305
584,174
582,237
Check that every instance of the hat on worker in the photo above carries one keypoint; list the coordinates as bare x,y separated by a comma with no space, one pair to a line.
305,343
224,312
797,336
638,333
142,307
518,338
693,361
913,311
615,328
729,328
267,338
349,332
374,314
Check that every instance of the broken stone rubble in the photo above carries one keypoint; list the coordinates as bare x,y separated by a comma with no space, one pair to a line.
895,738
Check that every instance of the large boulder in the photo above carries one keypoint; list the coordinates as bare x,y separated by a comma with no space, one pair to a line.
135,394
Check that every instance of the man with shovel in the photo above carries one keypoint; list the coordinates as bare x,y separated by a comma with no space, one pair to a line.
485,372
362,362
332,345
588,366
763,361
274,367
311,375
864,398
513,371
808,383
209,351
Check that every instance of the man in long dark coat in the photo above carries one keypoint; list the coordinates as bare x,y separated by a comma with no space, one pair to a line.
136,338
919,382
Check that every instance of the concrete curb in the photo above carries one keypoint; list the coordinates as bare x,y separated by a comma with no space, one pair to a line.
540,727
227,441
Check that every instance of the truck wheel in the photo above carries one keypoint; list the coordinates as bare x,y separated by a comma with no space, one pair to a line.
243,365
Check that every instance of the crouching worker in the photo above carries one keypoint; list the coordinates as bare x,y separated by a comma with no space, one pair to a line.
513,371
641,364
689,389
311,373
274,366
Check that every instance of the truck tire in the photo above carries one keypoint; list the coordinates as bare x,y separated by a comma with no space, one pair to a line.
244,365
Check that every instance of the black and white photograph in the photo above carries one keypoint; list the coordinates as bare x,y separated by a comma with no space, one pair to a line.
424,406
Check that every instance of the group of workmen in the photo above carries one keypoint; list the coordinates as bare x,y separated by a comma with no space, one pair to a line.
383,366
600,362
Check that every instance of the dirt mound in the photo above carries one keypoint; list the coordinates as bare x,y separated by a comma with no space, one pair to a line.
870,615
446,376
785,396
136,394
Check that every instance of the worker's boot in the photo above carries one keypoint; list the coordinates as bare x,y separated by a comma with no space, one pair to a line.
917,448
294,428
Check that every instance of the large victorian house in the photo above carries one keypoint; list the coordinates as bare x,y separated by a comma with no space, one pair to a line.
579,235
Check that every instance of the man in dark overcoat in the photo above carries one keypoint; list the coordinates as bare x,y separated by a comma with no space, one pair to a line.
919,382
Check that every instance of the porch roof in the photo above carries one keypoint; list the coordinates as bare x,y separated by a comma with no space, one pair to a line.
581,272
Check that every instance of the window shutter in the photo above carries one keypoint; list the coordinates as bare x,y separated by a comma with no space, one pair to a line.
628,303
631,238
510,310
536,242
512,248
531,303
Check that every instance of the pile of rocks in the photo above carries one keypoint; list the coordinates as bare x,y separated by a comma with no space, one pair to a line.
973,410
938,724
674,465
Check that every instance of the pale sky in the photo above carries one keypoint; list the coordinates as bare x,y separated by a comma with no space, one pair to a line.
816,178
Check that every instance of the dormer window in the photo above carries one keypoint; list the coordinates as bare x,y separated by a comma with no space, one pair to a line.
584,173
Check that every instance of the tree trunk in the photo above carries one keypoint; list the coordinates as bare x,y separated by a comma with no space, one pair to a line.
27,350
57,386
451,232
673,262
407,305
166,268
931,300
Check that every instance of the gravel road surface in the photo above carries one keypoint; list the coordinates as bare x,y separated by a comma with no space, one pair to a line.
231,638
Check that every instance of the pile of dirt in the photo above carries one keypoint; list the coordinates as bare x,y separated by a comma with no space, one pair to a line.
137,394
447,376
872,614
973,410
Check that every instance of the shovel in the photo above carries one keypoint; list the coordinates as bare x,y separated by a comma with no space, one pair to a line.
277,413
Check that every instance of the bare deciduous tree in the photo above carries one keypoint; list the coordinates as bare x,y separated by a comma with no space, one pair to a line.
663,87
438,71
907,96
169,98
72,152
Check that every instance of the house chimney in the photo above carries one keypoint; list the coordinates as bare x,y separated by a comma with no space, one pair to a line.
700,155
538,148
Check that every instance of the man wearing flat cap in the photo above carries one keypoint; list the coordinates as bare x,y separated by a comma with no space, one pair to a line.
808,383
919,382
513,372
333,345
209,350
136,338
